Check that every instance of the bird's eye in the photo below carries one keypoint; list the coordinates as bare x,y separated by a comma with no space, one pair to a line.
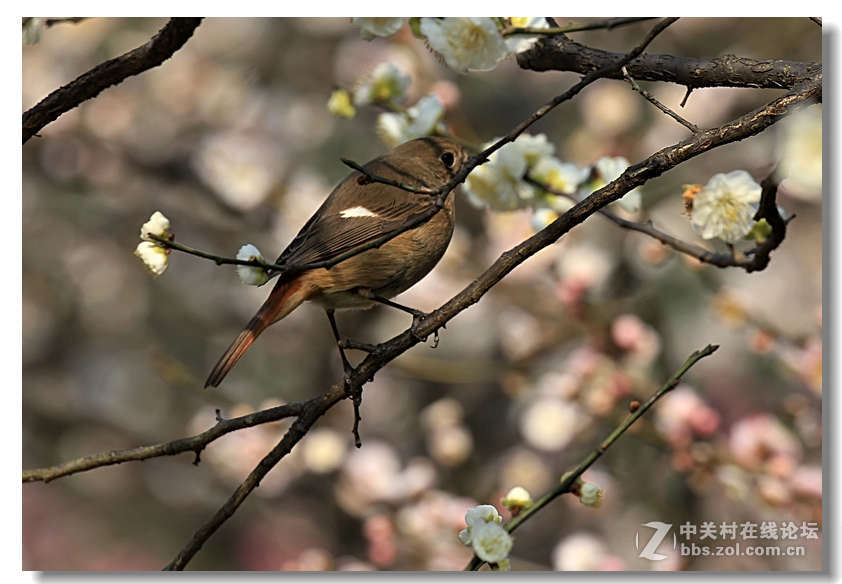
448,159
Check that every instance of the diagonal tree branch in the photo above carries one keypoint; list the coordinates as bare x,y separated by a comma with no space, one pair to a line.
562,54
312,411
569,479
160,48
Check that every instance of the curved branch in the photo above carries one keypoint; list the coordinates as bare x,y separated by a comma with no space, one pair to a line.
569,479
160,48
193,444
562,54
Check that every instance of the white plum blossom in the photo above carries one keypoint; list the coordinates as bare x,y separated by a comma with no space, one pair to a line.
517,498
251,275
590,495
518,43
491,542
153,256
800,152
609,169
499,183
466,44
157,225
725,206
386,83
484,532
371,27
484,513
563,177
418,121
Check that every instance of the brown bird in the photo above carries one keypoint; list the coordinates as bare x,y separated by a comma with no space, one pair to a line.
355,213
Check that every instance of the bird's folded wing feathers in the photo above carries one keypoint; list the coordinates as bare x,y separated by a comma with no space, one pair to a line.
330,232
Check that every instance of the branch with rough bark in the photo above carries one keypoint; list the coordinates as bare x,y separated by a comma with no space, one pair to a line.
112,72
559,53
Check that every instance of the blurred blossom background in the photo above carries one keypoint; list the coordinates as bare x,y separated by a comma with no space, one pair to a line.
232,140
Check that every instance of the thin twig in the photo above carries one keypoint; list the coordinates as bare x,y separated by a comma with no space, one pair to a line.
388,181
151,54
569,479
816,19
686,96
194,444
689,125
606,24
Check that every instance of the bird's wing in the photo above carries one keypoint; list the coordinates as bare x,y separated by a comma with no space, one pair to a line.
337,228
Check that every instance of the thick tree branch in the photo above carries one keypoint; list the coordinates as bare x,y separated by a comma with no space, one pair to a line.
562,54
160,48
569,479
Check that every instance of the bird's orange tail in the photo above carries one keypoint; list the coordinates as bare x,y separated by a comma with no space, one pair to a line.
285,297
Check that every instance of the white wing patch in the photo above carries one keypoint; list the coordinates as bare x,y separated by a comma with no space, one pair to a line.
357,211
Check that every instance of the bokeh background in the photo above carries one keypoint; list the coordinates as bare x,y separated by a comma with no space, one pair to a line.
232,140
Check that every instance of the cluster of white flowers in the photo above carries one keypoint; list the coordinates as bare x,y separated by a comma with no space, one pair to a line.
418,121
508,180
724,208
499,183
484,532
465,44
251,275
475,44
151,253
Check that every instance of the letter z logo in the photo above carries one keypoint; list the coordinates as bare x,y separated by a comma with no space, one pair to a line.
661,530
